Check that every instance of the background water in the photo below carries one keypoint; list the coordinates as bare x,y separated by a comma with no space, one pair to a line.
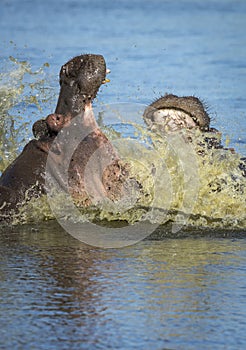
57,293
188,293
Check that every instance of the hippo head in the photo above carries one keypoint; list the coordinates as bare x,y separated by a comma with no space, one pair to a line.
80,79
171,113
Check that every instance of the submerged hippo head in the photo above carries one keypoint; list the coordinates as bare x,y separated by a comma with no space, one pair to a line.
80,79
170,113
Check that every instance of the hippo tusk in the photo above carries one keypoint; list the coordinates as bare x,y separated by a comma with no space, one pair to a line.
105,81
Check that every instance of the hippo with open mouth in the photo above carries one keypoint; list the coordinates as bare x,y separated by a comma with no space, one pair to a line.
80,80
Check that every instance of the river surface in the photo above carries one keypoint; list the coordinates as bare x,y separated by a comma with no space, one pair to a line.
58,293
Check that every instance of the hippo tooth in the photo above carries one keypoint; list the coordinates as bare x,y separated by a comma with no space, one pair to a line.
105,81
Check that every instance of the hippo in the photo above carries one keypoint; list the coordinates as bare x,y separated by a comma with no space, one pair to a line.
80,80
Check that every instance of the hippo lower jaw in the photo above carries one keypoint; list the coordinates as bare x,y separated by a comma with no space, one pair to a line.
84,162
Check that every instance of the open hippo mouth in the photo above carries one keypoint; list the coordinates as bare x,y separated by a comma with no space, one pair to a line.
171,113
80,157
80,80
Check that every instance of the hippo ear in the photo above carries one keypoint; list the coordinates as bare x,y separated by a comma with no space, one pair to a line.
40,129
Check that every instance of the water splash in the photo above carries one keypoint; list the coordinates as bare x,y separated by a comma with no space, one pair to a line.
169,193
22,92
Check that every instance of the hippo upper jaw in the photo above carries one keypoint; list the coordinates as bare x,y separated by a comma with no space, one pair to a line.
80,80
